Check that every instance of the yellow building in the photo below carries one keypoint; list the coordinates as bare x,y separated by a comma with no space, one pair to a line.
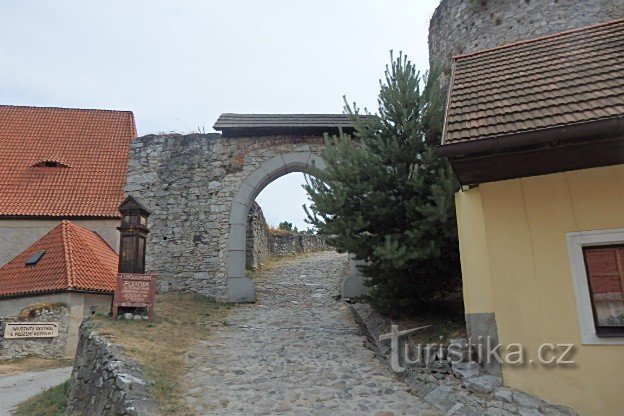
535,134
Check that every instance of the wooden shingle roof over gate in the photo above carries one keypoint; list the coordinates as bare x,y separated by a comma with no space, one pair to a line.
567,86
233,124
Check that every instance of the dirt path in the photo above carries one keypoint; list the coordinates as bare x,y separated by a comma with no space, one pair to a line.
17,388
296,351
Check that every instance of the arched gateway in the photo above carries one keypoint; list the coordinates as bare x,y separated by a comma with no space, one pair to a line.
200,188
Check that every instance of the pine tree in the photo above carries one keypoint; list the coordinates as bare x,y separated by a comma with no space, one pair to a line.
388,199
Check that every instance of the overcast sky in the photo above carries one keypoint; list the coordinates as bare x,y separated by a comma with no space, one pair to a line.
179,64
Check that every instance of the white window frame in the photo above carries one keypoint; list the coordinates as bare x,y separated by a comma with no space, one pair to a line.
576,241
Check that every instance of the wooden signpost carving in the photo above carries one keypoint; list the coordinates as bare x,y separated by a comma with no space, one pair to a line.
135,291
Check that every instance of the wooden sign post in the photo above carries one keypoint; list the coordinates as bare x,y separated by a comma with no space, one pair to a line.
135,291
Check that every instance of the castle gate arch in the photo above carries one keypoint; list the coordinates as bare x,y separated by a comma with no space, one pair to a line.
200,188
240,287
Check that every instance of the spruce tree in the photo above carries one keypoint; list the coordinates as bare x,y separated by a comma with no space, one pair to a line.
388,199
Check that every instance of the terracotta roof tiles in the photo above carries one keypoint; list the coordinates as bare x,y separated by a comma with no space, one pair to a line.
75,259
90,148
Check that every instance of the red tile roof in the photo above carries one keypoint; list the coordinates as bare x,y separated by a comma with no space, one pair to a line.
75,259
91,148
545,83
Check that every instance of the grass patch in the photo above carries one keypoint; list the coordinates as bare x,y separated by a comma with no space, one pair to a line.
31,363
160,347
51,402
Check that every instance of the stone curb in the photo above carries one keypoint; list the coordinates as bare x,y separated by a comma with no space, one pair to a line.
457,389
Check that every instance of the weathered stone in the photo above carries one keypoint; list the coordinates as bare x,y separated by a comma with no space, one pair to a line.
482,384
196,186
117,389
465,370
441,397
295,351
41,347
524,400
504,394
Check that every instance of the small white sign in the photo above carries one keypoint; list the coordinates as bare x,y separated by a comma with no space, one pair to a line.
31,330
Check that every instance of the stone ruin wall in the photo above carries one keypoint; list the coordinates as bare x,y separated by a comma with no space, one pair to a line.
263,243
291,243
189,182
463,26
41,347
257,238
104,381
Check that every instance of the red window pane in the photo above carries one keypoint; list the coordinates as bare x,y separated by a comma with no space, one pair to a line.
605,273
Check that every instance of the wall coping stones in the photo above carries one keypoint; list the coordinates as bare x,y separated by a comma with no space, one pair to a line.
104,381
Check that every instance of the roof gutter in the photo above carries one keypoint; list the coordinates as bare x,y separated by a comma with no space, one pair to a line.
592,129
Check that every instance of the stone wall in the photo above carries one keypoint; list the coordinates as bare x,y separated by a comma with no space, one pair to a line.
104,382
290,243
263,243
189,182
257,238
463,26
41,347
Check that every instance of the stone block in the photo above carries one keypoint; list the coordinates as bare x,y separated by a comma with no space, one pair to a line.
525,400
482,330
238,214
274,167
483,384
296,161
241,289
353,287
465,370
237,237
316,162
258,179
504,394
236,263
442,397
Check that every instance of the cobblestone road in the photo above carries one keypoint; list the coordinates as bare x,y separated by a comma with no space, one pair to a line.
296,351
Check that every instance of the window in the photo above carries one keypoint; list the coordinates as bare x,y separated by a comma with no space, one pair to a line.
50,164
597,265
604,266
35,258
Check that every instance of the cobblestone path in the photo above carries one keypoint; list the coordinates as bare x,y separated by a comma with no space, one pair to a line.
296,351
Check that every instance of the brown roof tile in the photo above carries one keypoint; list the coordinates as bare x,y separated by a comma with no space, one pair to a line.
75,259
567,78
91,145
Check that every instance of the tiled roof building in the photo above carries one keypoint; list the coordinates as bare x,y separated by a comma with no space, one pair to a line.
535,130
60,163
558,99
67,258
63,162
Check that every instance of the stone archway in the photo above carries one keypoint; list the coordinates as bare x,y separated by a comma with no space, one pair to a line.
240,288
200,188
